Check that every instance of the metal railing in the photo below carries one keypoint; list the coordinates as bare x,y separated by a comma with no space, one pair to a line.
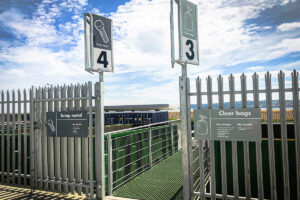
132,151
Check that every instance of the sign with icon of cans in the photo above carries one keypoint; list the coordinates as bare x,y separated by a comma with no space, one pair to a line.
98,43
188,32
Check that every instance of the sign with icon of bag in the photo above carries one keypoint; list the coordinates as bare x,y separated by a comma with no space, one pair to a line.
188,32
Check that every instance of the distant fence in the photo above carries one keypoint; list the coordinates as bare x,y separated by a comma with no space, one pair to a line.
276,115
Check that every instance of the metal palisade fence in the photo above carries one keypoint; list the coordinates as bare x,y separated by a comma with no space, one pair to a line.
30,157
269,169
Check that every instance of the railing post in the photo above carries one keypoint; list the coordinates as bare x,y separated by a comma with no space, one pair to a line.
150,146
172,138
110,170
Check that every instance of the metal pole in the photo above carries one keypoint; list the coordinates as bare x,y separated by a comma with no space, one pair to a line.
295,86
271,147
189,135
100,165
184,133
38,145
2,137
110,169
172,34
32,139
150,146
172,138
91,154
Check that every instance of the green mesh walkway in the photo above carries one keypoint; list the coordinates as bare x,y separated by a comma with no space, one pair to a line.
162,182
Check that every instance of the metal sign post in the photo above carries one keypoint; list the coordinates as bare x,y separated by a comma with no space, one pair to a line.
188,53
99,58
186,136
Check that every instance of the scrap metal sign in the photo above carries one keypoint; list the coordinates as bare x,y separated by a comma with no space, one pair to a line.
67,124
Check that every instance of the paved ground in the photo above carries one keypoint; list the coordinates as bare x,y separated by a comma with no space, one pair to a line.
16,193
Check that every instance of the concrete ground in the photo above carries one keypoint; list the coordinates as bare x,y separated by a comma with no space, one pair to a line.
17,193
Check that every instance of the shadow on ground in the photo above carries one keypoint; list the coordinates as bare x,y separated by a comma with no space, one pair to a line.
16,193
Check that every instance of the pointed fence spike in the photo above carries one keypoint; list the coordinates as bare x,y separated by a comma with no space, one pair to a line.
255,75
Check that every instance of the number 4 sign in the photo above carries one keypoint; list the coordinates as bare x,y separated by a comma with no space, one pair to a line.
98,43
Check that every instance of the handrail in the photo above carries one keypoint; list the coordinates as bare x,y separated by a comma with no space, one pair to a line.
139,127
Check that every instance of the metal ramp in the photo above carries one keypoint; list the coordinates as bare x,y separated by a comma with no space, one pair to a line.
162,181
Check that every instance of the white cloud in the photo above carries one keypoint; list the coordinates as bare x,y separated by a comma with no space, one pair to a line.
141,47
285,46
256,68
41,57
142,30
289,26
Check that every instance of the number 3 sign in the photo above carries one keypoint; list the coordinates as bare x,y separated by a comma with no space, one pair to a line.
188,33
98,43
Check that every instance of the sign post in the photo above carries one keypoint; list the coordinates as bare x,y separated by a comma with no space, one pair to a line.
99,58
188,54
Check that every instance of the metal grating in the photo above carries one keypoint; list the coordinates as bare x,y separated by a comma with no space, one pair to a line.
163,181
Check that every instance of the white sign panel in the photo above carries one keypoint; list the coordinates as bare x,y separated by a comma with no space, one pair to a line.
99,43
188,32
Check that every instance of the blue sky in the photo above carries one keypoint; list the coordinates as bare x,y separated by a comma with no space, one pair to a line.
41,42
